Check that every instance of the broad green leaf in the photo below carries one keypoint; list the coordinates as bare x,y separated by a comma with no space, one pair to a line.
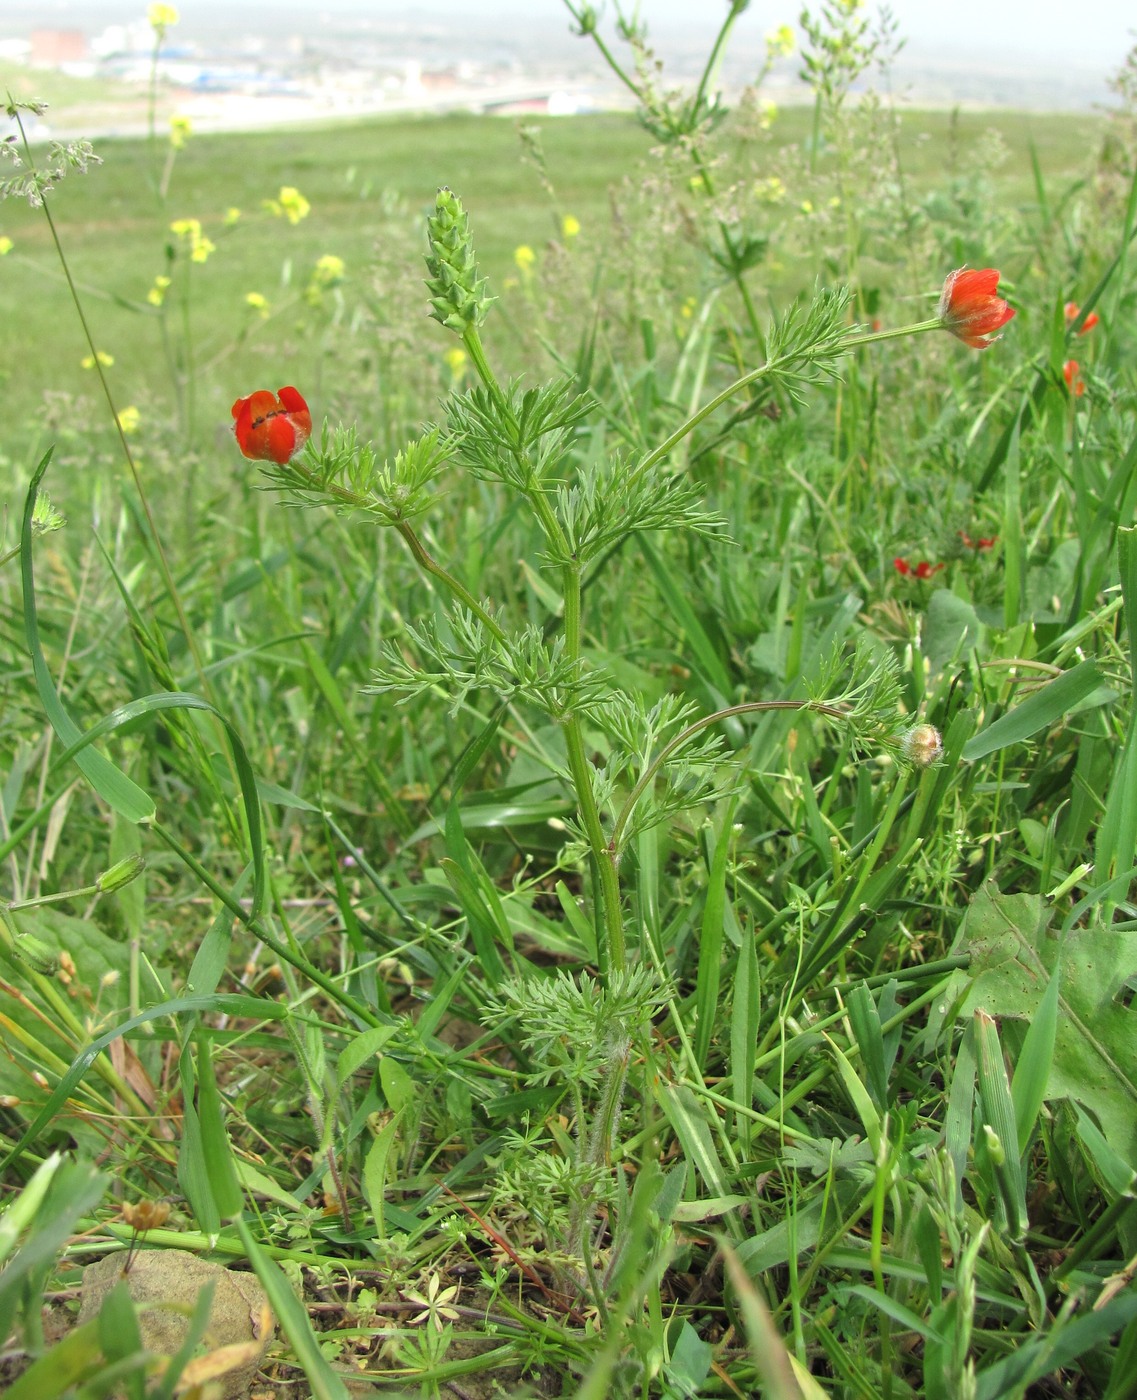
1116,844
71,1361
711,939
375,1172
1013,956
360,1049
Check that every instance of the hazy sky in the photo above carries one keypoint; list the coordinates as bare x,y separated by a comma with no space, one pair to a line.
1085,30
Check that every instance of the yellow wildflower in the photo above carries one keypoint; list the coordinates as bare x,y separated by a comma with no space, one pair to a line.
160,17
232,214
524,257
289,204
328,270
6,246
99,357
157,293
767,112
455,358
696,184
181,129
835,202
779,42
570,226
129,419
199,245
771,190
807,206
256,302
687,310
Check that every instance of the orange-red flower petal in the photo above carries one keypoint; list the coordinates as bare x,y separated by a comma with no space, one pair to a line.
272,427
1073,311
970,307
1074,381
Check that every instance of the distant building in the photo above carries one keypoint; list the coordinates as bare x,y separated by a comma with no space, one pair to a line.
52,47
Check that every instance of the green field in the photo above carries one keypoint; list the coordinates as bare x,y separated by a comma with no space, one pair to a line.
368,185
610,872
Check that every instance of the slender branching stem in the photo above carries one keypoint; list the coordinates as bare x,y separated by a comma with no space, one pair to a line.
851,342
581,772
430,565
613,955
648,776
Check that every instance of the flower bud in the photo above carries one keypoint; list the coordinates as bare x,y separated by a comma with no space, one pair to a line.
995,1148
922,745
121,873
458,296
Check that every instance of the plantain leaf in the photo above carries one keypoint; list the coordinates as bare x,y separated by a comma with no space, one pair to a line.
1013,957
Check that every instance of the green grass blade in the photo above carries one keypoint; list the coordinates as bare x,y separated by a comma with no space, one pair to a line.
113,786
289,1311
231,1003
1038,711
999,1116
711,941
246,777
1028,1085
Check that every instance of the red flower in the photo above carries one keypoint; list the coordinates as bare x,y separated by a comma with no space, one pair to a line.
984,542
970,309
272,427
921,570
1074,381
1073,311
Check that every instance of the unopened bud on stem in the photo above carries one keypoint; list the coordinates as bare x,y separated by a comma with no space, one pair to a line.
458,296
121,873
922,745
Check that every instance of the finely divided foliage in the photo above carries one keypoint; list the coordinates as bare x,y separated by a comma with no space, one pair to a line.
625,887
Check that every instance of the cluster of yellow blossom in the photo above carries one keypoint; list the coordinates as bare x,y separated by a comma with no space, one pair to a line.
129,419
289,204
161,17
258,303
200,246
779,42
771,190
232,214
6,245
524,257
157,293
328,272
181,129
570,226
100,357
455,359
